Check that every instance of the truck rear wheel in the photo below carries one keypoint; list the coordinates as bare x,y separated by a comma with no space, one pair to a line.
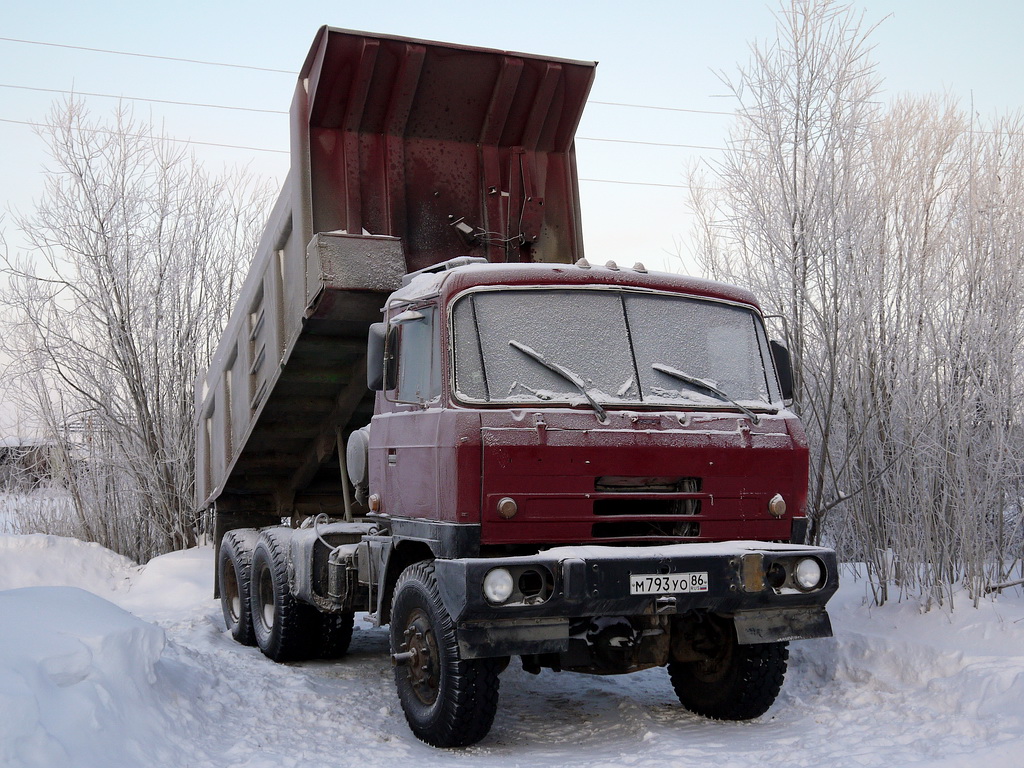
285,628
335,634
735,682
234,573
447,701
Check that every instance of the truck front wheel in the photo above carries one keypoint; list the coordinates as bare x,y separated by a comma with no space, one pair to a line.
734,682
447,701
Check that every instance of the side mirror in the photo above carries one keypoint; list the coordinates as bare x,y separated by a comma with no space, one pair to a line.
784,367
375,357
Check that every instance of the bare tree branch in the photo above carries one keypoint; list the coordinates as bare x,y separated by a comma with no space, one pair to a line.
135,255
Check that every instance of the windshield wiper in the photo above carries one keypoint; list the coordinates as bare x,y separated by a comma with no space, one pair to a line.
566,374
707,386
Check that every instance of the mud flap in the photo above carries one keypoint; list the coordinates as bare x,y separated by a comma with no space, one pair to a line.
781,624
513,637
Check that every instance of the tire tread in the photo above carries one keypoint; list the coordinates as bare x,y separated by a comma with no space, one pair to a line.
468,699
236,552
753,685
296,631
335,634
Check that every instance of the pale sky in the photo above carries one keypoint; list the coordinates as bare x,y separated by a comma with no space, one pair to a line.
654,53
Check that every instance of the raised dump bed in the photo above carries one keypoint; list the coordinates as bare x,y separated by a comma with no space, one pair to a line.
405,154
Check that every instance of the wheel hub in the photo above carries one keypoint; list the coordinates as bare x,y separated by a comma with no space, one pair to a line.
229,586
421,657
266,594
718,647
712,670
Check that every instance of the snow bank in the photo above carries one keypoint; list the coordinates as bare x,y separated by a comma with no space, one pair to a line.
83,683
937,688
77,678
38,559
170,585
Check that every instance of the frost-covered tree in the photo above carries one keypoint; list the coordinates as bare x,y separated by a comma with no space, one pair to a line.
136,254
791,201
890,236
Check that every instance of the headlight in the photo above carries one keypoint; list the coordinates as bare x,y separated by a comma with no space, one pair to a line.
808,573
498,585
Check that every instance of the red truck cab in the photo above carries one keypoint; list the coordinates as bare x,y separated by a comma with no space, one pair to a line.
562,404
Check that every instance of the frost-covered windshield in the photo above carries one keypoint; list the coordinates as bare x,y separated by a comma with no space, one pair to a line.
609,346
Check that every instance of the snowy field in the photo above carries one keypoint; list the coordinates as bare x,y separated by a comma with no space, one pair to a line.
103,663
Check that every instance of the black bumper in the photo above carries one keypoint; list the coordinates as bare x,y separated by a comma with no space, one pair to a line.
595,581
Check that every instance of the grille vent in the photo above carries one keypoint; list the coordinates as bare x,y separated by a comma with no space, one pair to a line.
632,497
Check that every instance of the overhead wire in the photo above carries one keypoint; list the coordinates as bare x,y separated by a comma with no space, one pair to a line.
637,183
649,143
144,99
283,112
285,152
665,109
142,136
148,56
292,72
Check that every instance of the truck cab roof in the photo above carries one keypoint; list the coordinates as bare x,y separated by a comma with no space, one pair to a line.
463,276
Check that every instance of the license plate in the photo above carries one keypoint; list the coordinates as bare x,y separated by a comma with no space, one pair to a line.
667,583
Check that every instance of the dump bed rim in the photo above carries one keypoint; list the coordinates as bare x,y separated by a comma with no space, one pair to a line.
328,30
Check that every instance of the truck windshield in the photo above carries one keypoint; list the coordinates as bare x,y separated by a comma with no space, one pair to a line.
615,347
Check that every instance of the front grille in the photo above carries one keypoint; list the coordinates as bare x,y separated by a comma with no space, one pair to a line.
617,484
646,529
633,497
641,490
633,507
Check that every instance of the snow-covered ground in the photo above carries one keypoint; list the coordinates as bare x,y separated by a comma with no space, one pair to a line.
103,663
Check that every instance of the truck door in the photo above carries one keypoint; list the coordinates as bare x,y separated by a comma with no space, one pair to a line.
409,433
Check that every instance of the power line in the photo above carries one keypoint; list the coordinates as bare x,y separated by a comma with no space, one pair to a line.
291,72
650,143
143,136
142,98
637,183
283,112
148,56
652,106
285,152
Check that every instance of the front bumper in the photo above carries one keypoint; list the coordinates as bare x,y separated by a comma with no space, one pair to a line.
594,581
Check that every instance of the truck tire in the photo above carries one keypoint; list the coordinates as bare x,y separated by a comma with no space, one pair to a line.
447,701
335,634
234,573
285,628
737,682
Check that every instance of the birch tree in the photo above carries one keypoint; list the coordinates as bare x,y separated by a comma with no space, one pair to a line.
791,203
890,236
136,255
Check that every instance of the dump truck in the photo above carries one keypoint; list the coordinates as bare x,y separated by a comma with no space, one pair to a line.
430,408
